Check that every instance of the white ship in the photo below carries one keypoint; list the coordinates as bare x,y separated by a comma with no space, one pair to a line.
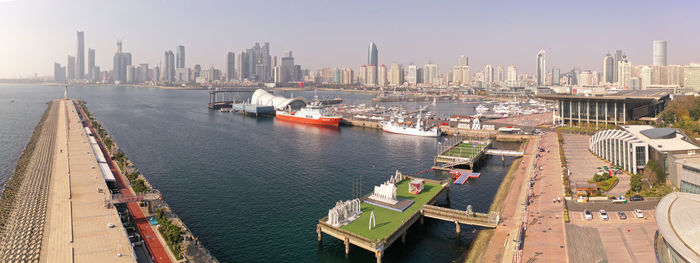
482,108
399,126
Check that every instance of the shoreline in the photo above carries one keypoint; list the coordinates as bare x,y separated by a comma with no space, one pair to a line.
127,168
477,249
11,186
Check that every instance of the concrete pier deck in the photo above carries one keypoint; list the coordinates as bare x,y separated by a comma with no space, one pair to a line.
58,214
393,225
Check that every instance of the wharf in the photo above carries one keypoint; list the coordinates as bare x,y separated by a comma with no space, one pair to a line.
392,225
459,152
361,123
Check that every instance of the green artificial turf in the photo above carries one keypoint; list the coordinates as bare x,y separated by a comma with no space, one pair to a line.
465,150
387,221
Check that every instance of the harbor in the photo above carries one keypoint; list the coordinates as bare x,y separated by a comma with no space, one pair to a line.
183,177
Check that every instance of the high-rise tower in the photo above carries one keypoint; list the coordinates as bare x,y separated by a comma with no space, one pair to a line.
80,57
659,53
541,69
91,75
230,66
373,59
180,60
617,58
609,69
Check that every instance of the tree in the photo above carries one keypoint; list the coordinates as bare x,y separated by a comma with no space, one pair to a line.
636,183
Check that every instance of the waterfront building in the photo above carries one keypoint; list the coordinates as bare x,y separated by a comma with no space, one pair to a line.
616,58
500,74
556,77
371,75
412,74
91,65
645,77
624,71
180,56
541,67
633,146
362,78
608,69
169,69
120,61
141,73
347,77
182,75
684,172
460,75
659,52
396,75
287,70
71,68
130,74
230,66
80,57
430,74
155,74
691,77
678,236
617,108
463,61
373,60
512,76
382,77
59,73
488,74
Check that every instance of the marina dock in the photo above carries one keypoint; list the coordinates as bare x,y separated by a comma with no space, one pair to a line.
460,154
392,225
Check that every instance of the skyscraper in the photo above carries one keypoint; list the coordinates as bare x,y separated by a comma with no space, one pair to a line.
512,75
70,74
624,71
500,74
169,67
91,65
555,76
430,73
488,73
180,62
412,74
463,61
541,67
230,66
608,69
59,73
617,58
373,59
645,77
659,53
287,69
381,78
80,57
241,65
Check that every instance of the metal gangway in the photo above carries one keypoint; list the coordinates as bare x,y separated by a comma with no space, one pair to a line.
504,152
466,217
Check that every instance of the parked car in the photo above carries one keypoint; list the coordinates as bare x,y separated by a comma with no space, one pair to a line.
638,213
587,214
603,214
637,198
622,215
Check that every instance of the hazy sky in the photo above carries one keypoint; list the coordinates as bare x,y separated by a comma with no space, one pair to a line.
35,34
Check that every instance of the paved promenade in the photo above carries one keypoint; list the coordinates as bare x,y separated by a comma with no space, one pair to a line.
501,245
545,240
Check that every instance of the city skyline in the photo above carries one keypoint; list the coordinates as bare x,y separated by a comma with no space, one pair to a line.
490,45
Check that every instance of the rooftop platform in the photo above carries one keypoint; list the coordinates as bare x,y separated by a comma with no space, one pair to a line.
621,95
661,139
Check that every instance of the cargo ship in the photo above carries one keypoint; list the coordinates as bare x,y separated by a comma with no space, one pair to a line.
314,113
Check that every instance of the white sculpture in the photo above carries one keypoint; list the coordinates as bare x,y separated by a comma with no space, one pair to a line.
398,177
476,125
372,221
344,212
385,193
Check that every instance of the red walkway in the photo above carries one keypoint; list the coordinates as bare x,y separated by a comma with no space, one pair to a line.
154,246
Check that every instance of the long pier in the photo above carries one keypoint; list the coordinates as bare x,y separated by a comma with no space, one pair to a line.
378,246
460,152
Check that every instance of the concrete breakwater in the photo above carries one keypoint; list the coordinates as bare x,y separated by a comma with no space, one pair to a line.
188,248
24,199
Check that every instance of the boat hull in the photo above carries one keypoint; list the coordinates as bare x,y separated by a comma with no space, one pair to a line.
325,121
410,131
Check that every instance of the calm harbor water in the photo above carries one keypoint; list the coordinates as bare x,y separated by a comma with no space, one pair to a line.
253,189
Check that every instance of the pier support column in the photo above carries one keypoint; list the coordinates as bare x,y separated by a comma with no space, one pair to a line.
403,238
457,228
422,221
379,255
347,246
318,230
